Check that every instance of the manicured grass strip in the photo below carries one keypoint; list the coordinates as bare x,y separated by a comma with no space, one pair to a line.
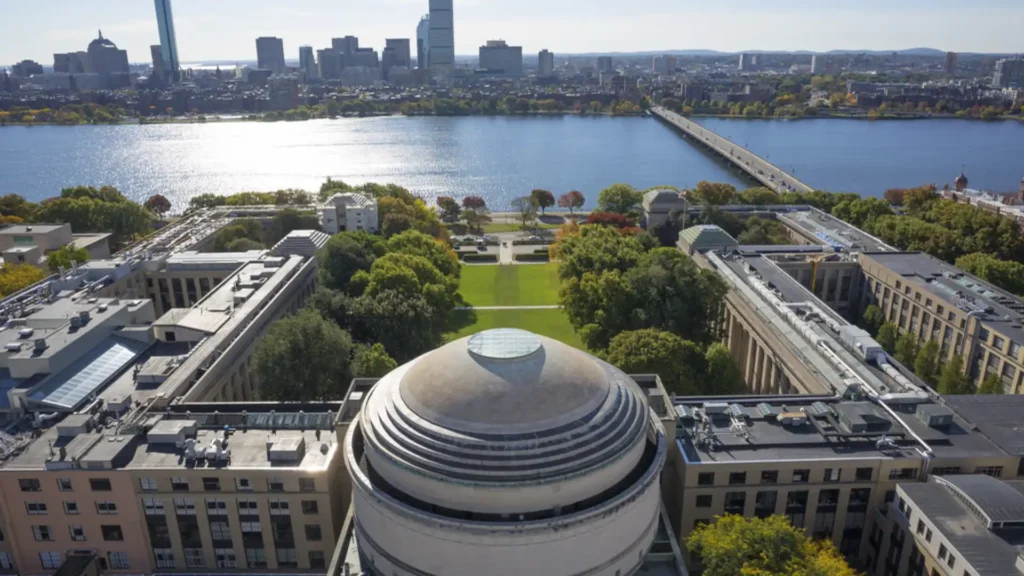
533,285
550,323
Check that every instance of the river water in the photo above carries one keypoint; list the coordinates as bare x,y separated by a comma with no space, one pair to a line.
498,158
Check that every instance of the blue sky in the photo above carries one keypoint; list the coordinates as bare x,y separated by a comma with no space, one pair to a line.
226,29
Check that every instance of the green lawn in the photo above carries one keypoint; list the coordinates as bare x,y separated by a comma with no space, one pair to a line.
497,227
526,285
550,323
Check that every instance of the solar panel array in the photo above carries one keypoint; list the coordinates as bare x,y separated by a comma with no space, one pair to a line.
86,375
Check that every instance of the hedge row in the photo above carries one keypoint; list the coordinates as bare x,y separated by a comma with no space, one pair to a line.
532,257
480,258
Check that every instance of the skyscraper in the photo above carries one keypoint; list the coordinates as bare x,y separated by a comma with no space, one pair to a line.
331,62
400,47
105,58
497,57
951,60
545,64
270,54
442,38
159,72
604,65
307,65
1009,73
423,43
168,42
347,47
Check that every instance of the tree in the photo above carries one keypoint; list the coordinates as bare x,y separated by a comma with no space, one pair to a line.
621,198
526,209
734,546
861,211
416,243
679,363
345,254
243,245
373,362
714,193
888,334
763,232
927,364
953,380
1004,274
449,208
596,249
17,277
992,385
65,256
907,348
289,220
543,199
240,228
15,205
302,358
208,200
613,219
723,374
158,204
474,203
760,196
873,319
572,201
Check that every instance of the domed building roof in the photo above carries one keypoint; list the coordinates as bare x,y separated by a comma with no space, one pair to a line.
501,408
961,180
101,42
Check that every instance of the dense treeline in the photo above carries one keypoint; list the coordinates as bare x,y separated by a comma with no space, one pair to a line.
69,114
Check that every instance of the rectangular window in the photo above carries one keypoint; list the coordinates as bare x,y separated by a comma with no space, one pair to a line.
243,485
275,484
164,558
50,560
310,507
801,476
704,500
286,558
184,507
1015,351
225,557
64,484
313,533
307,485
220,530
984,334
279,507
216,507
903,474
71,508
179,484
211,484
832,474
247,507
770,477
77,532
42,533
105,507
153,507
35,508
112,533
863,475
993,471
5,561
942,552
944,470
920,527
706,479
147,484
251,527
737,478
316,560
29,485
998,343
117,560
194,558
764,504
735,502
99,484
256,557
928,535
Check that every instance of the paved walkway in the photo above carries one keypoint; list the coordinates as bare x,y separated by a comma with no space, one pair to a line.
554,307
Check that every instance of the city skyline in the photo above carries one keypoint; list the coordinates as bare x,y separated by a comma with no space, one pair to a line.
226,31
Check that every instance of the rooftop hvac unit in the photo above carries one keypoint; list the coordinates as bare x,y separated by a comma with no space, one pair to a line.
40,344
934,415
26,333
13,346
793,419
711,408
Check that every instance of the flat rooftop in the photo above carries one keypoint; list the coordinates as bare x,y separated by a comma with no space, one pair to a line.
990,552
832,231
768,428
1000,418
814,332
998,309
22,229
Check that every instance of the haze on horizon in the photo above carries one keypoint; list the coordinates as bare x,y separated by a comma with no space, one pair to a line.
227,29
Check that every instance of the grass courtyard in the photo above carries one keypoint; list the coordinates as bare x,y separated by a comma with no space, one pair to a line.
523,285
550,323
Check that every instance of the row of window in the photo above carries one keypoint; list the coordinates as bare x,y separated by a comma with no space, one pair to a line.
803,476
114,560
255,558
70,508
64,484
111,533
217,507
213,484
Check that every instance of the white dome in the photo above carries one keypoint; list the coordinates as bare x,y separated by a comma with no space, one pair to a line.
524,439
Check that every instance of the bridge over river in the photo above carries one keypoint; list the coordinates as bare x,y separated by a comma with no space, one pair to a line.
768,174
